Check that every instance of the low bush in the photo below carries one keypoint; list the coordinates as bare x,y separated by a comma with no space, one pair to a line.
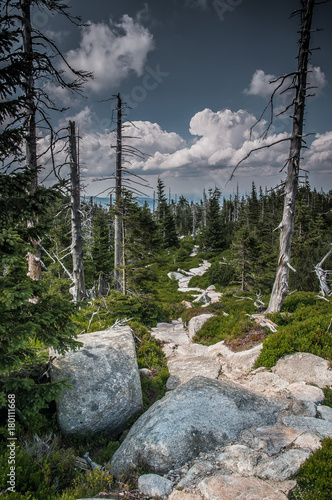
50,476
306,329
150,355
314,478
231,320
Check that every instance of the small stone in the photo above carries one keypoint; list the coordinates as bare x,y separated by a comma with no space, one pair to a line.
154,486
145,372
325,412
303,408
308,441
282,467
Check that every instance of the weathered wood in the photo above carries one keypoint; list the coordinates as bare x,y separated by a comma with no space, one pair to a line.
118,255
280,287
322,275
34,259
78,289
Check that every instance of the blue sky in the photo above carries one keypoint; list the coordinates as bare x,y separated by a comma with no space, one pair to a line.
196,74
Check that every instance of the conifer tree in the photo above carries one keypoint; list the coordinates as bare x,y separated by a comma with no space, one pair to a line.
165,218
32,318
212,235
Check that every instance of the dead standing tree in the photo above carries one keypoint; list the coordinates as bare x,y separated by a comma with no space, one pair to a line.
123,182
280,287
119,281
36,52
299,85
78,289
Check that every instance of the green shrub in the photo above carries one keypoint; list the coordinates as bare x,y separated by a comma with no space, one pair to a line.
314,478
229,323
150,355
305,330
328,396
105,311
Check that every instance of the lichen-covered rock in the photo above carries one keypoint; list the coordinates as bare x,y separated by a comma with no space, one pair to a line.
106,389
196,417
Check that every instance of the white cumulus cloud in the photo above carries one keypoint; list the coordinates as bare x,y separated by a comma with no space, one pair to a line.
261,82
111,52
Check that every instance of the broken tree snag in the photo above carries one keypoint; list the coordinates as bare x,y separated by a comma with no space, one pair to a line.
322,276
280,287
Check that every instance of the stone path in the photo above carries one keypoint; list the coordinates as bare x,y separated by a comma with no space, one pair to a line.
264,460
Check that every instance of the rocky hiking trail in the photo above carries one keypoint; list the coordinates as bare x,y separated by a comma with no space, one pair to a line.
250,446
223,431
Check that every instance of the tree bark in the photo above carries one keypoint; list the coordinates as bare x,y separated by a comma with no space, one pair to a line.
194,220
280,287
78,290
34,259
118,263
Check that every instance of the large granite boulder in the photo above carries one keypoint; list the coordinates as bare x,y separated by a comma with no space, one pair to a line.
196,417
106,389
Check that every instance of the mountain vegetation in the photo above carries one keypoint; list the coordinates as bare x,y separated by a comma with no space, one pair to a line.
38,316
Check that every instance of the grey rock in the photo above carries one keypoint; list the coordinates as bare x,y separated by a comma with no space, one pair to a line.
154,486
196,323
317,425
266,382
145,372
270,439
283,467
231,487
106,385
304,392
304,367
303,408
169,333
308,441
239,459
210,288
182,495
182,369
325,412
204,298
175,276
194,473
196,417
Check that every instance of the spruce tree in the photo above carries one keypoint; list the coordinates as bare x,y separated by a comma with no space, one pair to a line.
165,218
212,236
32,318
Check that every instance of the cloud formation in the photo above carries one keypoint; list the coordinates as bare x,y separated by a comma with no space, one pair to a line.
220,140
111,52
260,83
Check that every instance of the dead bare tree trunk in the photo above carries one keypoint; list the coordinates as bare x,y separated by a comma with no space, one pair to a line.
204,208
280,287
78,290
118,263
194,219
322,275
34,259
